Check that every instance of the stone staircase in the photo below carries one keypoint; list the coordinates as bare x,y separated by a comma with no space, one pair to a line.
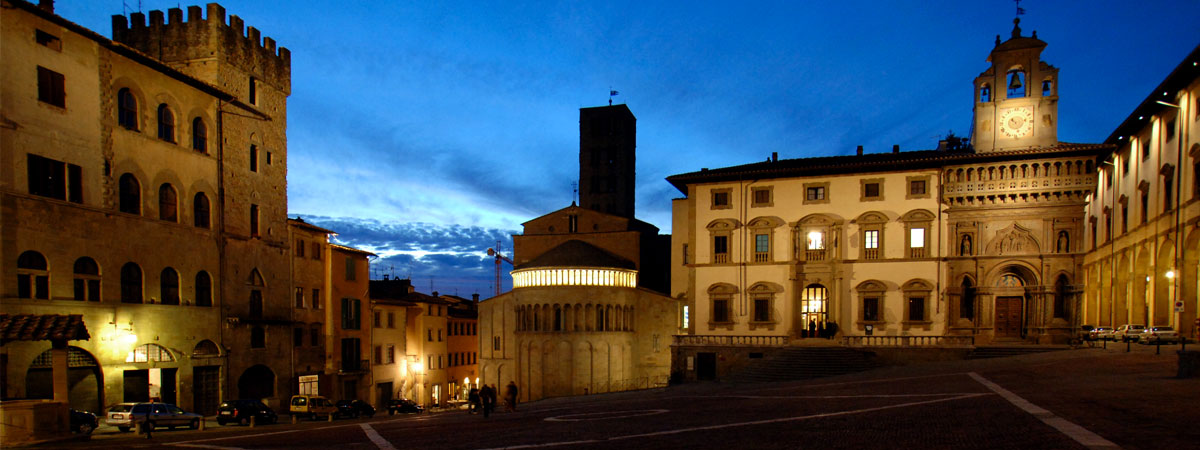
1002,351
802,363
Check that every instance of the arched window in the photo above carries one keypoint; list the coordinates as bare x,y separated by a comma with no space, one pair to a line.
131,283
166,123
200,210
33,277
168,205
168,284
150,352
130,194
199,135
203,289
87,279
985,93
127,109
206,349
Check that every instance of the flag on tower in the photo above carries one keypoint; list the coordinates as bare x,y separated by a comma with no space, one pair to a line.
612,93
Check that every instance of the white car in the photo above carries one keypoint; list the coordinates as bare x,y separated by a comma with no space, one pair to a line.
1127,333
1158,334
1100,333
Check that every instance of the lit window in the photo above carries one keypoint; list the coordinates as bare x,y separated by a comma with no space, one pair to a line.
871,239
816,240
815,193
916,238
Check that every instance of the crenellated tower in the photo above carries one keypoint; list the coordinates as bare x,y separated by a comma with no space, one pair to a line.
1016,99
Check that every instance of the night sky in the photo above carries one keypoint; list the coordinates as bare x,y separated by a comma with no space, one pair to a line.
427,131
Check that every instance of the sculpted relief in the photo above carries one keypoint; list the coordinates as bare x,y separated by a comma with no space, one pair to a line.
1014,240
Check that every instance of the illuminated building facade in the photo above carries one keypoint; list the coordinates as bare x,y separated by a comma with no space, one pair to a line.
148,194
1142,238
424,376
462,345
973,245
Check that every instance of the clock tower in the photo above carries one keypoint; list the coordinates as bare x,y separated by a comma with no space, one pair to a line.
1016,99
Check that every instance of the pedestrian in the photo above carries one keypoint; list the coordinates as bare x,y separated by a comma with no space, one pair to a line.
487,397
473,400
510,396
821,330
812,328
833,327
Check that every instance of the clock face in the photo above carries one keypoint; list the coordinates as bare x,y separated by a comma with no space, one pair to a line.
1016,122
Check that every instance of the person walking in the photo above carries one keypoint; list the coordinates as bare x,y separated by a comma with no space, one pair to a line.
473,400
488,397
510,396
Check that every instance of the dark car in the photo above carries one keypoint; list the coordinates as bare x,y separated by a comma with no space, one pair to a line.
404,405
355,408
155,415
240,412
83,422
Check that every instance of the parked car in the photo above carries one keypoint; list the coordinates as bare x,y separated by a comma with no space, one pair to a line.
118,416
83,422
355,408
1128,333
240,412
1100,333
1155,335
312,406
403,405
156,415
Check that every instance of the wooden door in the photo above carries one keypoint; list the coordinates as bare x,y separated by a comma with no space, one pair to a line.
1008,317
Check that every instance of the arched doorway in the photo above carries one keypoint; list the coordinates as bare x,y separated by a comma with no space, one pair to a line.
1009,288
257,382
85,380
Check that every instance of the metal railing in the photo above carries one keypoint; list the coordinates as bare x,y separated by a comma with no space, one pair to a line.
908,341
684,340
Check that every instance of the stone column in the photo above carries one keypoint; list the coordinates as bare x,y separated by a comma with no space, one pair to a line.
58,364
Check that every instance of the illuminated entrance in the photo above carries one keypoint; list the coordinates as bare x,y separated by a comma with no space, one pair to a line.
1010,302
814,308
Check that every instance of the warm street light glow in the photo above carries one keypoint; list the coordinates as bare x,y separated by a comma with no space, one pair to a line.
1170,274
418,367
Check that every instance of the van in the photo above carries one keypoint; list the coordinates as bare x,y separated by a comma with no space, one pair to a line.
312,406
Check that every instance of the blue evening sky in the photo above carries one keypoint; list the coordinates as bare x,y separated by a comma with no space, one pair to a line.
427,130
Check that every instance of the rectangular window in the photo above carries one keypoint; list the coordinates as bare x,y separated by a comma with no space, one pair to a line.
720,199
1125,166
391,320
351,269
686,316
720,310
1145,206
916,187
684,253
1170,129
351,314
298,337
429,335
720,249
351,354
916,238
378,317
253,94
269,158
253,158
299,297
378,354
871,244
54,179
762,310
761,196
49,40
815,193
762,247
51,87
871,190
496,343
1145,148
253,220
316,299
916,309
1168,192
315,335
391,354
316,251
439,335
815,240
871,309
299,248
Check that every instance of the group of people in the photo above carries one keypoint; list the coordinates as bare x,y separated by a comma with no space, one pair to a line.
823,330
484,399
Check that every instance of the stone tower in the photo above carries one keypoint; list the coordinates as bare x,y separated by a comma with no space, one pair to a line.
607,159
254,284
1016,99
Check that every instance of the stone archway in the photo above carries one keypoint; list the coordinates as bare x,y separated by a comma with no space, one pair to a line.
1140,287
85,380
1160,310
1011,302
257,382
1121,293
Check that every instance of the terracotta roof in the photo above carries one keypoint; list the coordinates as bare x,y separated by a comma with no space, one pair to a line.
299,222
576,253
871,162
42,327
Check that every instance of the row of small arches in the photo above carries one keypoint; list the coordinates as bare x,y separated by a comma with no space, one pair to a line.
33,282
129,200
128,118
1047,169
575,317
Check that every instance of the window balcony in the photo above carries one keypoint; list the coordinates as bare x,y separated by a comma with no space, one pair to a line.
871,253
814,255
762,256
720,258
916,253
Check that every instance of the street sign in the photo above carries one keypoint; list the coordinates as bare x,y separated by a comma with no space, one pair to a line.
1179,306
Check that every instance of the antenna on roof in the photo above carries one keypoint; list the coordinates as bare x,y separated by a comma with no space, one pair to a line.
574,191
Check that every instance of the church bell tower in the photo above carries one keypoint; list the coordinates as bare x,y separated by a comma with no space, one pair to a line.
1016,99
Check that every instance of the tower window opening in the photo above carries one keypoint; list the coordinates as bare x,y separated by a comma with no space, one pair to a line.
1016,84
985,94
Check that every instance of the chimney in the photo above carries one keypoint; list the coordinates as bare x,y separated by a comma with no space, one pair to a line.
46,5
860,150
896,148
435,293
774,156
475,298
943,145
385,277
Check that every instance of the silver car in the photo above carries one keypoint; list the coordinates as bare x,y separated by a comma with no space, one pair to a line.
1158,334
156,415
1127,333
118,416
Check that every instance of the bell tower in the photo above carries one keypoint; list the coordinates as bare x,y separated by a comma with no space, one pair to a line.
1016,99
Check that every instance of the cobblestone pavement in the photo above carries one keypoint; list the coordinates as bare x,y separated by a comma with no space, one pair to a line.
1084,398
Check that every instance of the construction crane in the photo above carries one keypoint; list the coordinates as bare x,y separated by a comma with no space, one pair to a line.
499,257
